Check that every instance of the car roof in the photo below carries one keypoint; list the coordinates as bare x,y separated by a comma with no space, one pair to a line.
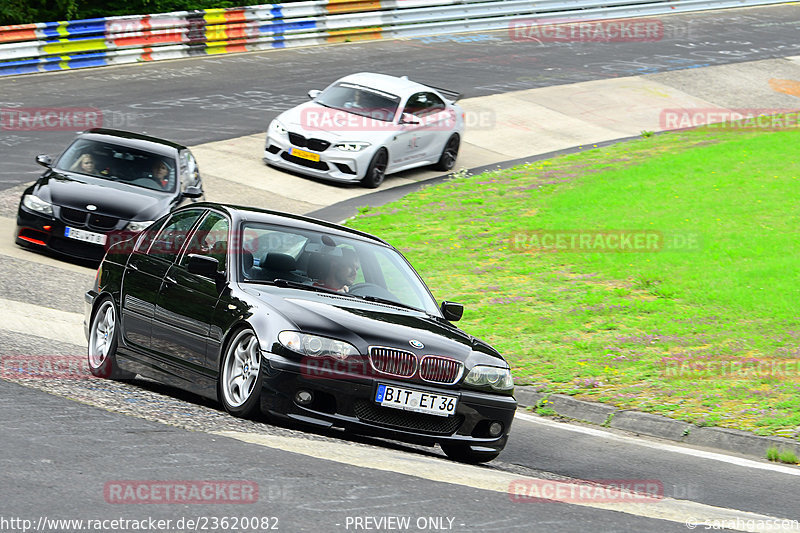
239,213
133,139
390,84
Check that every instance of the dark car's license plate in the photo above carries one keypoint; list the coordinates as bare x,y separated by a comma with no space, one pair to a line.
415,400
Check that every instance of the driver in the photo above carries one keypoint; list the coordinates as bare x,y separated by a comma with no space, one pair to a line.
342,273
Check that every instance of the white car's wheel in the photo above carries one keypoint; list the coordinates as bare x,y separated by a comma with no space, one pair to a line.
449,154
376,170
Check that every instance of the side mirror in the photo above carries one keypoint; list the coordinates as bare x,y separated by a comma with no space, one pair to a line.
203,265
313,93
408,118
452,311
44,160
193,191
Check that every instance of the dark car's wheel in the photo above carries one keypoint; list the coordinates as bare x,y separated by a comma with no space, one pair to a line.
464,454
240,376
376,170
103,343
449,154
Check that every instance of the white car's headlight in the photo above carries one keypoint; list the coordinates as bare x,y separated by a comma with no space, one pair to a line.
277,127
351,147
139,226
315,346
497,378
34,203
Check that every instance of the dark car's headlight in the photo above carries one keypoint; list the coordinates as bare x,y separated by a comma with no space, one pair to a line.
139,226
34,203
316,346
492,376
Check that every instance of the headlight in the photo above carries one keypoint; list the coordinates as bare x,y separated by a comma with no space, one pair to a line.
315,346
34,203
139,226
277,127
497,378
351,147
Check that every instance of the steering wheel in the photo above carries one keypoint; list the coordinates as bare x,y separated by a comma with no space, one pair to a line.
371,289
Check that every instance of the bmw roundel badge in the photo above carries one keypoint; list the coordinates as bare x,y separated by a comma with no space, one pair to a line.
416,344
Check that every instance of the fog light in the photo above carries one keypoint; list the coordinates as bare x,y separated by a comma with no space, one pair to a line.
303,397
495,429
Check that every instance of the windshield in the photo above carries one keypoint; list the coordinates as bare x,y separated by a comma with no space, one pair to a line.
320,261
120,164
360,100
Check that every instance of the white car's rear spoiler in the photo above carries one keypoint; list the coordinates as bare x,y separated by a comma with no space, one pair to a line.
453,96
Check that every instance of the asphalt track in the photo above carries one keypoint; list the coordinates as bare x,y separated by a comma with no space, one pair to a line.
59,454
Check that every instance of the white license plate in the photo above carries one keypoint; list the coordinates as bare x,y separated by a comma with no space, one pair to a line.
85,236
414,400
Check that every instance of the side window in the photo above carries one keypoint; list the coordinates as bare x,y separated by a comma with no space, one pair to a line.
422,104
435,104
210,238
147,236
416,105
173,234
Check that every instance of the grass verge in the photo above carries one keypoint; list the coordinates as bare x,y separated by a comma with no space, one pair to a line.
699,323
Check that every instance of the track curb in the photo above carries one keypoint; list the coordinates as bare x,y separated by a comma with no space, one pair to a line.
651,425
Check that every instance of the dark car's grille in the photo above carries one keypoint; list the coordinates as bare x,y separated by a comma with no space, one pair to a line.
393,362
440,369
318,145
366,411
319,165
102,221
74,216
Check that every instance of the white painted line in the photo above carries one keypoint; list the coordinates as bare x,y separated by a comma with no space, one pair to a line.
441,470
43,322
738,461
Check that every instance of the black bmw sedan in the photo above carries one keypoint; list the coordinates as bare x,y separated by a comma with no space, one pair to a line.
300,319
106,183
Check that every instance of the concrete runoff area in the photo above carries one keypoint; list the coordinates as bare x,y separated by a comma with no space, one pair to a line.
520,124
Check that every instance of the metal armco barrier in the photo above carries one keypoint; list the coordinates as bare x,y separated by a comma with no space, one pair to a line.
50,46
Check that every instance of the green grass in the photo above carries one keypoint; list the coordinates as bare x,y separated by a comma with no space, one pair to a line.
694,330
781,456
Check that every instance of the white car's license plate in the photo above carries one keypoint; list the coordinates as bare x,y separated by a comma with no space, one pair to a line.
415,400
85,236
297,152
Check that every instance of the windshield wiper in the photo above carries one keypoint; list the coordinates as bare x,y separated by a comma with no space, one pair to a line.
387,301
281,282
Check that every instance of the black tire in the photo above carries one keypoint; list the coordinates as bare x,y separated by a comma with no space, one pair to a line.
449,154
463,454
240,375
103,336
376,170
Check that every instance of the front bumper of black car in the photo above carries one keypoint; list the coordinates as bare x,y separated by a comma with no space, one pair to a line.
41,232
349,403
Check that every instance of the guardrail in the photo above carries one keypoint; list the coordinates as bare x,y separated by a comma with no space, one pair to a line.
51,46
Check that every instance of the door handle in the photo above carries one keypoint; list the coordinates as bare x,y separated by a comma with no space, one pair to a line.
173,281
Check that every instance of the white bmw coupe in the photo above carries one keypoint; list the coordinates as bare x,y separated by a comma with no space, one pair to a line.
365,126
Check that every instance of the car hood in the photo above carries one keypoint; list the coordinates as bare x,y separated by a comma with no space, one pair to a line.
366,324
111,198
315,121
